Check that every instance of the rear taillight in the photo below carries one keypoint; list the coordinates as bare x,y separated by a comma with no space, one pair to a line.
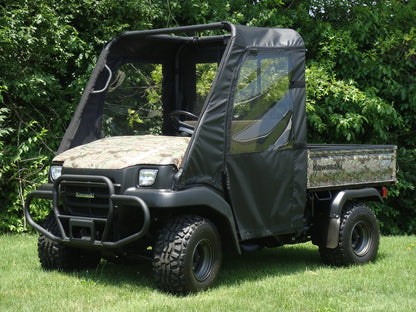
384,192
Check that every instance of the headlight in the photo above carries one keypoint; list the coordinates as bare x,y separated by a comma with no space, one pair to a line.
147,177
55,172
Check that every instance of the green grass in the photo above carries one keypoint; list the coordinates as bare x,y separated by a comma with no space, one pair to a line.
289,278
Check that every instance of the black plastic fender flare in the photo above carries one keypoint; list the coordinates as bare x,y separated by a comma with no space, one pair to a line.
191,197
336,209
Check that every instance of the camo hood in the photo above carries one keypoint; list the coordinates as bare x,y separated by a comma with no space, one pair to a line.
125,151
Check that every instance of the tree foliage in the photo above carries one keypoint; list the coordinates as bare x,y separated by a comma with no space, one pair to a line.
361,84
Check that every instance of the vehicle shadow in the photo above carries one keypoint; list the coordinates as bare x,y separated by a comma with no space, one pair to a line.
235,268
109,273
281,261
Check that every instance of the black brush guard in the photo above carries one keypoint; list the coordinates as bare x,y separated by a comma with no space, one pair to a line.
88,224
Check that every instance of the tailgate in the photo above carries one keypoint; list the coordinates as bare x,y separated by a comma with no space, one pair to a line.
350,165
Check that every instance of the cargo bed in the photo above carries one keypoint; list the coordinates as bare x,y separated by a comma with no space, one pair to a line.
333,165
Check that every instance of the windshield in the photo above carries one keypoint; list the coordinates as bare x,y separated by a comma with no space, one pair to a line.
133,103
134,98
163,75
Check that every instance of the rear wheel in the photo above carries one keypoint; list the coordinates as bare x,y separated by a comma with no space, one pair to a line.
358,237
187,255
56,256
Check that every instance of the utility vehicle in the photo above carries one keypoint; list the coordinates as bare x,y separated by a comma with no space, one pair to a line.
190,141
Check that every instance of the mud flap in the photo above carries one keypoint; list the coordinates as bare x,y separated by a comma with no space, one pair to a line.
333,233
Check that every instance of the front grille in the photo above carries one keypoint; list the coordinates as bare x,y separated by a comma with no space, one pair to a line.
85,199
91,210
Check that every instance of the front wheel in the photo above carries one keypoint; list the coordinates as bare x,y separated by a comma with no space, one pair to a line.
358,237
187,255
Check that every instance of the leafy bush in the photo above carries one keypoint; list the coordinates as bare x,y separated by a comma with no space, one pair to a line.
397,215
47,52
340,105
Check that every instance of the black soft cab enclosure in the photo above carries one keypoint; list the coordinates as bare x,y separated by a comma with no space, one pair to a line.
251,117
192,139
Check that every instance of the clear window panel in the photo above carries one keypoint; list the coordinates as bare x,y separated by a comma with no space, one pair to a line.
262,113
133,101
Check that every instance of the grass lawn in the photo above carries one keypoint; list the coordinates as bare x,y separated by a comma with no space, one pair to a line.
288,278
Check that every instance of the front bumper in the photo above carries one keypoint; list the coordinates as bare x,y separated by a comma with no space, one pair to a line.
89,224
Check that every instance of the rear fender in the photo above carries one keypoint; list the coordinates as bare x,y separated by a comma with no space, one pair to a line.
336,209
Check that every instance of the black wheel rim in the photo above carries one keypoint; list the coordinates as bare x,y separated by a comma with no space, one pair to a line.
361,238
202,259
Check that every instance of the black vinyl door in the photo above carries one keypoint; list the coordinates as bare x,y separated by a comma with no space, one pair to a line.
261,157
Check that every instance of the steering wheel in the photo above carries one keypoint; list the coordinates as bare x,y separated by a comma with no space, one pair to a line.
182,127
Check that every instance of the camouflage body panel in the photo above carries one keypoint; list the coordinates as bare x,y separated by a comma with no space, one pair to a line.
336,166
125,151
